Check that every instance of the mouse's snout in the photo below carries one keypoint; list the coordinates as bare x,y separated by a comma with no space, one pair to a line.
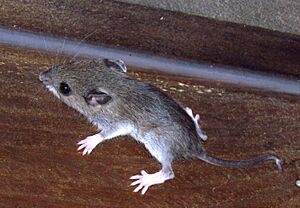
45,77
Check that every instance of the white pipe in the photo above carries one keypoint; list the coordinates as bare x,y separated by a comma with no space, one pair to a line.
151,62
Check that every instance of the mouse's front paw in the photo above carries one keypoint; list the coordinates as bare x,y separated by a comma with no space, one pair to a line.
89,143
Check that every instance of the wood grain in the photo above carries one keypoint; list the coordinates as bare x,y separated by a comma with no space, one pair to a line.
40,167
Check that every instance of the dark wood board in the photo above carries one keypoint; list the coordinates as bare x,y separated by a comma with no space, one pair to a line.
40,166
159,32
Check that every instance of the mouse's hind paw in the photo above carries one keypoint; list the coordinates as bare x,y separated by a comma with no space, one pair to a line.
145,180
196,119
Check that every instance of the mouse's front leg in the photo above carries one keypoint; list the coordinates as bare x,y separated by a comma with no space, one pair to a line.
90,143
119,129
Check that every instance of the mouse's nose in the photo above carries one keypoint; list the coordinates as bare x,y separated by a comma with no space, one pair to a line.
45,77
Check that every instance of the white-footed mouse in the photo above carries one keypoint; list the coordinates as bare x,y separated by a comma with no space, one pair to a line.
121,105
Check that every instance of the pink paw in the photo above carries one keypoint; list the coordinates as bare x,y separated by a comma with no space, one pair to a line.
145,180
89,144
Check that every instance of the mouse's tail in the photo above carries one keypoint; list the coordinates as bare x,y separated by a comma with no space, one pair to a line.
241,163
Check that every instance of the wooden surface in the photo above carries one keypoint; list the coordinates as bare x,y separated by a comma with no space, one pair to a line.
159,32
39,164
40,167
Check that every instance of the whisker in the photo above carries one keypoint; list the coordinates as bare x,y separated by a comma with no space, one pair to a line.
60,52
88,35
37,92
45,46
63,47
56,55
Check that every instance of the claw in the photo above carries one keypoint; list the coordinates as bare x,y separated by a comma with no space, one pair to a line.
81,142
144,190
135,183
135,177
138,188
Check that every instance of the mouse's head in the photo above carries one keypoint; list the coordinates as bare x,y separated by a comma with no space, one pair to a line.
83,85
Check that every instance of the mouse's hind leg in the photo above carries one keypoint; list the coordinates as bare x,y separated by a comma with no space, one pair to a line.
145,180
161,153
196,118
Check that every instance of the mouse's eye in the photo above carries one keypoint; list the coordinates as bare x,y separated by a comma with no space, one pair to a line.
64,89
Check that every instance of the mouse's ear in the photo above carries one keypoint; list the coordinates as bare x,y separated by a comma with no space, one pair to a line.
117,65
95,97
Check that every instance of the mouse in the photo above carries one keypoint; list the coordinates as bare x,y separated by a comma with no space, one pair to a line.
118,104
